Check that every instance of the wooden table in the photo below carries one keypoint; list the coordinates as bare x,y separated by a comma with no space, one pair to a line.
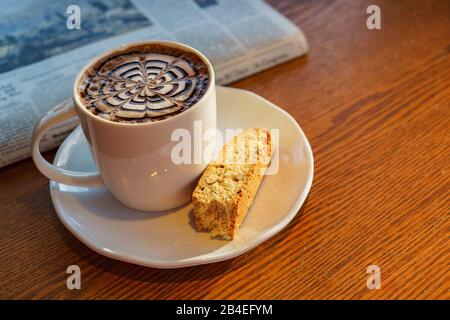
375,106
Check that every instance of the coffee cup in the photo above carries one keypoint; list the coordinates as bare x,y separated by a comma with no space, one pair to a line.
134,158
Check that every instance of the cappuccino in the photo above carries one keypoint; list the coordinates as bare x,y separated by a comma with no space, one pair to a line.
147,84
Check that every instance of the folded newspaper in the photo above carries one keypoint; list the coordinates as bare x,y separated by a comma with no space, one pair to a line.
43,46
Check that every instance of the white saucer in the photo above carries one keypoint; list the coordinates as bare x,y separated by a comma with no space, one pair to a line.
168,239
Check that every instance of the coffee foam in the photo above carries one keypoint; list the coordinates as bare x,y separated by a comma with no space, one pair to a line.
144,86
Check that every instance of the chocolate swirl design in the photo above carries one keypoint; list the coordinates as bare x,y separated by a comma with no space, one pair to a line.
144,87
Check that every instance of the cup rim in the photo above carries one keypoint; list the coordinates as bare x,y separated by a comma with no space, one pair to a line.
173,44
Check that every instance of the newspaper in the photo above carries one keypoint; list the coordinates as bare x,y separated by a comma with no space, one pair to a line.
40,55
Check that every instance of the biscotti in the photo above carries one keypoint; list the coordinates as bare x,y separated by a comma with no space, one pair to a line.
229,184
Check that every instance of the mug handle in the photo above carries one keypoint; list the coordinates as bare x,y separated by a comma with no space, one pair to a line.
60,113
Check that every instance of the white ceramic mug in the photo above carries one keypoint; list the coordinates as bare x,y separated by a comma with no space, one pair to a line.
134,160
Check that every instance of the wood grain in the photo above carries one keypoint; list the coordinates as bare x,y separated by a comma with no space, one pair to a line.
376,108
